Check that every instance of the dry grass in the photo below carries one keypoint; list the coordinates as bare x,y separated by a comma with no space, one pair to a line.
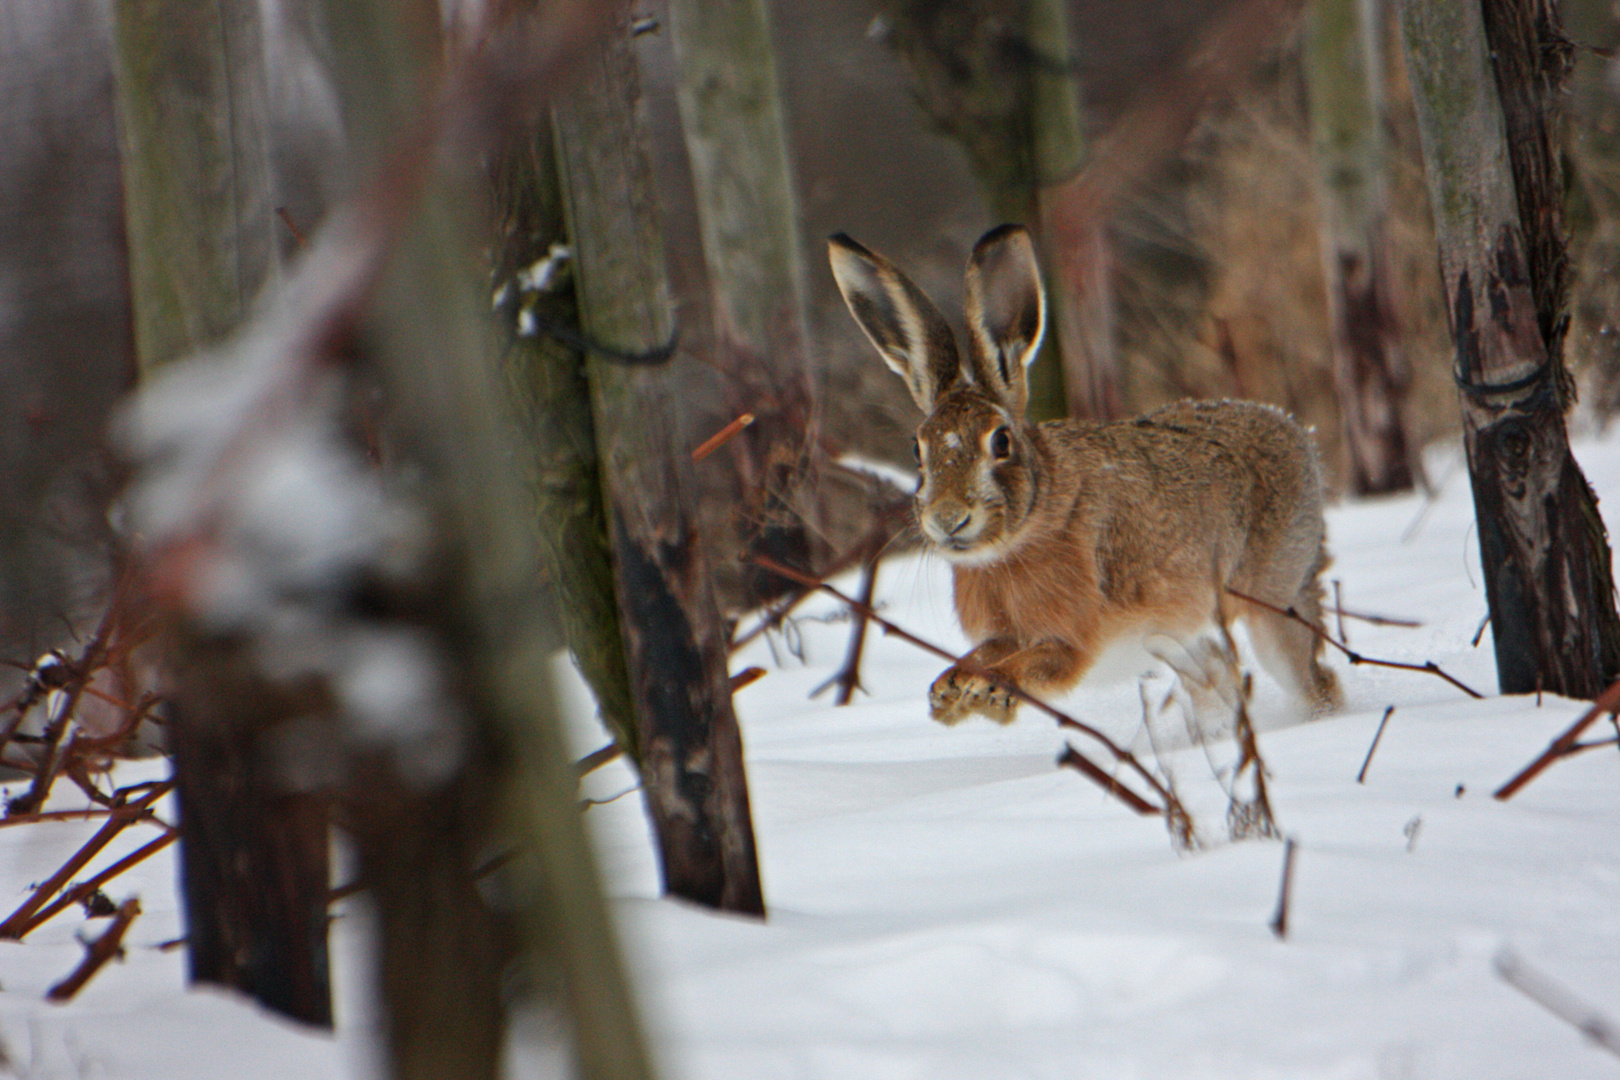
1221,285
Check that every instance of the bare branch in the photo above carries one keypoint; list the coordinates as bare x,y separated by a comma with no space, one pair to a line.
22,920
1565,744
97,953
1279,921
721,437
1350,654
1361,777
1557,1000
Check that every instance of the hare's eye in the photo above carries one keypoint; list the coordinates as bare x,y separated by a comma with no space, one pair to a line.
916,450
1001,444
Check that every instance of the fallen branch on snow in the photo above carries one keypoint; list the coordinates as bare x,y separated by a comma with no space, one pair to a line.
1557,1000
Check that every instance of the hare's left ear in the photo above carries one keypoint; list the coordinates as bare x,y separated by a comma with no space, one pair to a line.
1006,314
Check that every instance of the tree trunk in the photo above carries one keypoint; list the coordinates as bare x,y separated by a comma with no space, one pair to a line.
996,75
1594,208
547,378
692,766
1495,190
441,964
737,142
1079,266
1343,69
194,128
64,326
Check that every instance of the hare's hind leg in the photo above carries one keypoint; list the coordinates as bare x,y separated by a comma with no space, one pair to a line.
1292,652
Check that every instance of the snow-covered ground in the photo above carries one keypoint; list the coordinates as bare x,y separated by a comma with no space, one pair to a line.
945,903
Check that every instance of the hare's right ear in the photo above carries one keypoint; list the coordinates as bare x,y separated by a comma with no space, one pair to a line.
904,324
1006,313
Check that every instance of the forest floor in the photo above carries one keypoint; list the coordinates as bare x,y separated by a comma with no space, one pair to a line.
948,904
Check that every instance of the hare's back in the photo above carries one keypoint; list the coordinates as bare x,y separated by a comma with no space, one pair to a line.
1242,442
1167,488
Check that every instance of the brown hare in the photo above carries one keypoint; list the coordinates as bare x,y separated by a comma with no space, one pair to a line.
1066,537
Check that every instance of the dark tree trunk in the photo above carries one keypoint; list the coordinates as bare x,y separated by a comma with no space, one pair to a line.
1344,71
194,130
692,768
1489,143
254,869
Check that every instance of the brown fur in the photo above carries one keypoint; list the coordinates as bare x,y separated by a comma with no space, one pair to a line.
1067,536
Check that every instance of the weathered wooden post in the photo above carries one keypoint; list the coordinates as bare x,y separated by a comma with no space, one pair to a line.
1484,78
194,129
737,141
691,751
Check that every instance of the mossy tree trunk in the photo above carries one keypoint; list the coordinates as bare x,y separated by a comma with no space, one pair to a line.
1485,80
737,141
691,751
192,106
1343,71
535,298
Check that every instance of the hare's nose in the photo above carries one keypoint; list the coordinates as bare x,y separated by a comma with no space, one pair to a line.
953,527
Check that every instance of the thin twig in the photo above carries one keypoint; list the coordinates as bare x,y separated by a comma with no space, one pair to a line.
721,437
888,519
597,758
1338,611
1124,757
89,662
300,241
1361,777
1607,702
20,921
90,885
97,953
1558,1001
1350,654
849,676
748,676
1073,759
1376,620
1279,921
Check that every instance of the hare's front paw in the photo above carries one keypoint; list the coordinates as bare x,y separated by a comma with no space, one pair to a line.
958,694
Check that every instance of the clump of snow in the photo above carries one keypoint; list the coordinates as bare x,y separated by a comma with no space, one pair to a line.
263,521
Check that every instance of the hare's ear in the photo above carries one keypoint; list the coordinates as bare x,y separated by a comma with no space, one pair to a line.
1006,313
904,324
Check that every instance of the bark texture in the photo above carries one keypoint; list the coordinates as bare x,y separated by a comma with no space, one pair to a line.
195,132
64,325
737,142
535,298
1495,189
443,961
1344,73
692,767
